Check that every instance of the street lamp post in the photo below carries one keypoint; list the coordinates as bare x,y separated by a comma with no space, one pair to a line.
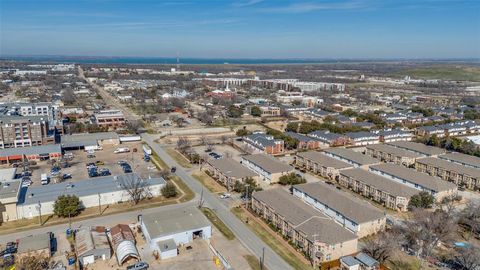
39,209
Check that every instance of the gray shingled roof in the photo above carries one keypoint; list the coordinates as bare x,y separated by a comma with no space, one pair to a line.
419,148
268,163
464,159
352,208
393,150
410,175
436,162
300,137
304,217
379,182
231,168
353,156
324,160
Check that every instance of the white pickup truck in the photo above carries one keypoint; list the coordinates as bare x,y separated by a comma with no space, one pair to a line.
121,150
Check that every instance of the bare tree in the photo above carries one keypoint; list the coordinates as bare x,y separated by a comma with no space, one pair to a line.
381,246
468,257
38,262
470,217
135,186
204,140
223,139
165,174
183,144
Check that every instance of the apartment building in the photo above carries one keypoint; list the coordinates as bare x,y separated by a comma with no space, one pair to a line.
462,159
349,156
430,130
390,194
330,138
387,153
394,135
321,164
227,171
24,131
419,148
453,172
417,180
268,168
314,233
304,142
362,138
349,212
270,111
263,143
109,118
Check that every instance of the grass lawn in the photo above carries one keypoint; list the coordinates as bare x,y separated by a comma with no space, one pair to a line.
179,158
445,72
208,182
218,223
188,193
159,163
271,240
253,262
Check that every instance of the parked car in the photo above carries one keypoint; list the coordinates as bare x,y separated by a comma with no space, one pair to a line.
138,266
173,169
104,172
99,162
225,196
90,156
66,176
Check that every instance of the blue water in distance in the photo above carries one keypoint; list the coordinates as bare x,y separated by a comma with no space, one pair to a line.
165,60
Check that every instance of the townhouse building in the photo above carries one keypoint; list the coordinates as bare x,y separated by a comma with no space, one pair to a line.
362,138
419,148
394,135
330,138
305,142
356,159
388,153
349,212
227,171
417,180
390,194
263,143
314,233
268,168
460,175
462,159
321,164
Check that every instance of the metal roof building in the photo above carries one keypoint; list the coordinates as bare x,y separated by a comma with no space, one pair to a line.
89,139
92,244
123,241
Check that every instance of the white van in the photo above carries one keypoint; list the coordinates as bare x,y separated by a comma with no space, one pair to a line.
44,179
122,150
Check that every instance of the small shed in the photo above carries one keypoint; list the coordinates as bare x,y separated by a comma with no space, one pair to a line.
91,245
123,242
35,245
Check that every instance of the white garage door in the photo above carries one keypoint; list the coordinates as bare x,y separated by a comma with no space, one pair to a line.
88,260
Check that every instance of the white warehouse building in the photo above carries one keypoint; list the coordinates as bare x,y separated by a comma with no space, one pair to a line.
106,190
165,230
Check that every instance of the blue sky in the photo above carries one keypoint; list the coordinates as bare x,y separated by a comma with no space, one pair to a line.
242,28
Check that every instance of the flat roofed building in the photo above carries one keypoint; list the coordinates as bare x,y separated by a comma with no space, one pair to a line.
38,245
316,234
388,153
321,164
82,140
182,225
43,152
421,181
462,159
352,213
419,148
109,189
24,131
227,171
109,118
9,193
453,172
349,156
268,168
391,194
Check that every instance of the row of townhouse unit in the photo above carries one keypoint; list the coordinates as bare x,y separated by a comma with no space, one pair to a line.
263,143
451,129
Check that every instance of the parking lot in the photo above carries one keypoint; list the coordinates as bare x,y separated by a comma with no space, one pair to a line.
105,159
223,150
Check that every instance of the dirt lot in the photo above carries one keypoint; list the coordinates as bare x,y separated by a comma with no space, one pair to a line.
78,168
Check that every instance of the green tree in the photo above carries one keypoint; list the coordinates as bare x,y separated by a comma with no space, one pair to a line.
349,113
243,132
169,190
421,200
291,179
242,187
67,206
255,111
292,126
234,112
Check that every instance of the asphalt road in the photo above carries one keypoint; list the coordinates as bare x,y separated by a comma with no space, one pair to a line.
254,244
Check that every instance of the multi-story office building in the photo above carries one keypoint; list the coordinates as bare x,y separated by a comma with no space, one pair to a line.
109,118
24,131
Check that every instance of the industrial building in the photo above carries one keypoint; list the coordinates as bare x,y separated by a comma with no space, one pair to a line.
105,190
269,169
89,140
38,245
174,227
314,233
350,212
43,152
92,244
123,243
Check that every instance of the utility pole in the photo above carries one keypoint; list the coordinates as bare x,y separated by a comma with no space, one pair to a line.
262,259
39,208
99,205
246,194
